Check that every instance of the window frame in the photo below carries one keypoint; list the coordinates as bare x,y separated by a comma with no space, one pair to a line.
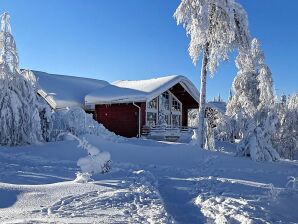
168,113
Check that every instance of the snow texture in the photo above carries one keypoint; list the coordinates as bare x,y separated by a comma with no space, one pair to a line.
139,91
62,91
151,182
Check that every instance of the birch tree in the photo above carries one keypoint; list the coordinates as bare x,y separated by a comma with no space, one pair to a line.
215,28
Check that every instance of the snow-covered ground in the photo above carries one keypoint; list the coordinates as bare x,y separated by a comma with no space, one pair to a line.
151,182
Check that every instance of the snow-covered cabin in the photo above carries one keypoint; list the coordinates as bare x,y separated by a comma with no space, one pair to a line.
124,107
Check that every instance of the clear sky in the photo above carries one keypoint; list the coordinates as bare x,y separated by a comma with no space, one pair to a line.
138,39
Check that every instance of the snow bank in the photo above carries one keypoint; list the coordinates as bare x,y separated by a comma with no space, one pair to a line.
77,122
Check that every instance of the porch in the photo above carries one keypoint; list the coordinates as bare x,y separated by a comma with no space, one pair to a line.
169,133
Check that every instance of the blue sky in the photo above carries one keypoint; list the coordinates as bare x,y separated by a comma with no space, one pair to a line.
136,39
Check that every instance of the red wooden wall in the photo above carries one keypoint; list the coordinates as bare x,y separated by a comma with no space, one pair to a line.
120,118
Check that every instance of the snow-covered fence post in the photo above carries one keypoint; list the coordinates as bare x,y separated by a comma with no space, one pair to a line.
215,27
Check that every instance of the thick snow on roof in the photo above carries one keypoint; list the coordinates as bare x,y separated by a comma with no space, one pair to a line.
139,91
62,91
114,94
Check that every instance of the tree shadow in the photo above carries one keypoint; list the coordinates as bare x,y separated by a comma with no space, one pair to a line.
8,197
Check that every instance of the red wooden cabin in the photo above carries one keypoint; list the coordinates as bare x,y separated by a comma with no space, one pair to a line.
127,107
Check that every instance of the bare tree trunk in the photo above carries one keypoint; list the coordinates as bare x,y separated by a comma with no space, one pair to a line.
200,132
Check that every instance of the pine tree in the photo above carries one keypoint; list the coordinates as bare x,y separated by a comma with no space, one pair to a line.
20,121
252,106
215,27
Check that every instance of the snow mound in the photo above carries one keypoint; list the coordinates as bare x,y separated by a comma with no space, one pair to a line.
82,177
77,122
221,210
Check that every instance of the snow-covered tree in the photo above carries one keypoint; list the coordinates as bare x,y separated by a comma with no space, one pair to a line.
215,27
224,128
286,137
45,112
20,121
252,105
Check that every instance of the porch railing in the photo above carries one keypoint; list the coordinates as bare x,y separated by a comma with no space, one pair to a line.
168,133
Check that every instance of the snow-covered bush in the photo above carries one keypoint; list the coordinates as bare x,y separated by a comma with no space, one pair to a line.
252,106
194,137
82,177
24,119
77,122
286,137
95,162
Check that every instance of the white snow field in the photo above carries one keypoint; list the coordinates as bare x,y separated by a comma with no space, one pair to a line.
150,182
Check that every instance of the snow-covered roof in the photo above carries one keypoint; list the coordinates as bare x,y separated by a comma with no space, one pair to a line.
126,91
62,91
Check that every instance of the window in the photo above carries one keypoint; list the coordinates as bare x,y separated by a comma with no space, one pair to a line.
151,119
151,116
164,101
176,106
152,104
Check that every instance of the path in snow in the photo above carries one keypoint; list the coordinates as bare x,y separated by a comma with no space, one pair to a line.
178,197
